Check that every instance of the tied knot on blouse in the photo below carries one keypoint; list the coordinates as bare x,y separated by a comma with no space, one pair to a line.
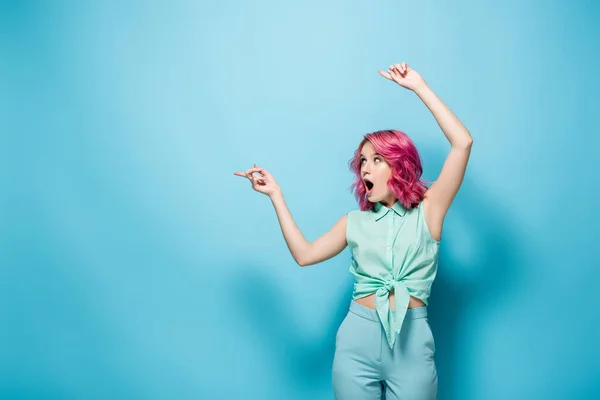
392,320
388,285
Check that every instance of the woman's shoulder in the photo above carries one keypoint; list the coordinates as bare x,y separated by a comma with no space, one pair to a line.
358,213
357,218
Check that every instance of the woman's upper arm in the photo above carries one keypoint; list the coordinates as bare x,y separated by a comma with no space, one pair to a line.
442,192
328,245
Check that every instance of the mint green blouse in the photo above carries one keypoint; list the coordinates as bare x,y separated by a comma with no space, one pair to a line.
391,248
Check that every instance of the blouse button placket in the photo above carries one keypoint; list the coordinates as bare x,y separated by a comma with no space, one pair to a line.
390,236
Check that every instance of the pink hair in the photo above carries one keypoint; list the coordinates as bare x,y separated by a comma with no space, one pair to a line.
400,152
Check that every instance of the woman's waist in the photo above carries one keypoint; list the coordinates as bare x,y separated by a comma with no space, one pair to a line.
369,301
416,287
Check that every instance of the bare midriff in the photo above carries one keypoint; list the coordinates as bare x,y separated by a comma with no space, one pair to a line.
369,301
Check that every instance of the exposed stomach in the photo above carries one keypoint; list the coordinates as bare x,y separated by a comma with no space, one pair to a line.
369,301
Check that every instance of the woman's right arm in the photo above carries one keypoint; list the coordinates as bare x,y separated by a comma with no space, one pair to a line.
304,252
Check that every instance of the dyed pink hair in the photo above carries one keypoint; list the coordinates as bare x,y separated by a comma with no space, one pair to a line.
400,152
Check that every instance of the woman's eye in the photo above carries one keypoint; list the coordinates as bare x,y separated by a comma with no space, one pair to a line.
377,159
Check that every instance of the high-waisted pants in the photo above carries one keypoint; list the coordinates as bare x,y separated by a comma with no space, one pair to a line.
365,367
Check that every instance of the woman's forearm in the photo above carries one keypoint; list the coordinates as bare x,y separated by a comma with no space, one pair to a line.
456,133
295,240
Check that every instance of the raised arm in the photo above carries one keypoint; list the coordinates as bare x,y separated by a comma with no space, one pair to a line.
442,192
440,195
304,252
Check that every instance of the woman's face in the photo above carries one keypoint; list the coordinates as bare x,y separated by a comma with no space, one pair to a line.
375,173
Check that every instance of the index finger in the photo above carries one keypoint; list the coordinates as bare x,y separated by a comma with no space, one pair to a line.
385,74
245,173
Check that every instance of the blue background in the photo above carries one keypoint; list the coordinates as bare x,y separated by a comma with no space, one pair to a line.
135,265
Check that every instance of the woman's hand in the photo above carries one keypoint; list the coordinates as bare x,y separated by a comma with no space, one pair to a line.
264,183
404,76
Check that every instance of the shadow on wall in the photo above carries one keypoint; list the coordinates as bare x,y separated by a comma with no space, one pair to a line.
305,359
483,279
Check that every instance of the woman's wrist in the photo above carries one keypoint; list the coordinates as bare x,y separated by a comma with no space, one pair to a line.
421,88
276,196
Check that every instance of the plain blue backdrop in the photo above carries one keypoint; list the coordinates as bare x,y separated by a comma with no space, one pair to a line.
135,265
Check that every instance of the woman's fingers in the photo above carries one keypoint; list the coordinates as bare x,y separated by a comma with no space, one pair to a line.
258,181
261,171
395,71
258,168
255,179
385,74
262,180
252,171
401,68
248,173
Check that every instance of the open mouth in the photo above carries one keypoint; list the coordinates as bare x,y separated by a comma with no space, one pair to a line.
369,185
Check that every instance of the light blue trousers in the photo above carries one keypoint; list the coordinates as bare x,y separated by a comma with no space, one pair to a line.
364,366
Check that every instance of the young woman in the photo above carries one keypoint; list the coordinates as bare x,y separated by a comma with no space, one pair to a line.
385,346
